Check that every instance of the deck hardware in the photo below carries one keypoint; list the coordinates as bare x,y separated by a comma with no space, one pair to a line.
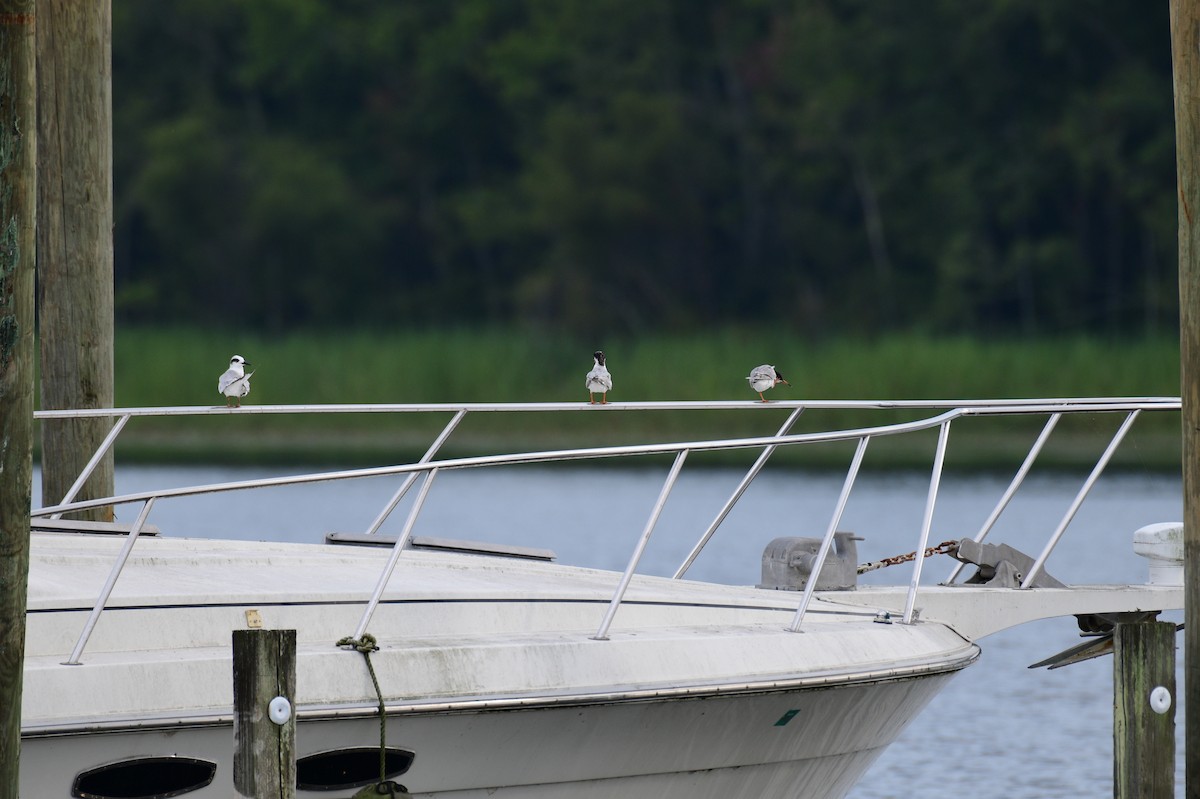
787,563
254,620
1162,546
944,548
1000,566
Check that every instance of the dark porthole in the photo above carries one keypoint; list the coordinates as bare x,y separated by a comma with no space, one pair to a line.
349,768
144,778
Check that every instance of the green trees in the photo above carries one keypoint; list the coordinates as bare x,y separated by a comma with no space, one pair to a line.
619,165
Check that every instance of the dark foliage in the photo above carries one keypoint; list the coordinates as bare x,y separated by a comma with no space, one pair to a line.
842,166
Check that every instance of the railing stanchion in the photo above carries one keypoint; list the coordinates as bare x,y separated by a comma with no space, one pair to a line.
935,481
602,633
412,477
737,494
113,574
1017,480
409,523
1097,470
823,552
105,445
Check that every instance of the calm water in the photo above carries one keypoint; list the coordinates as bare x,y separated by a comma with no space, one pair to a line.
998,730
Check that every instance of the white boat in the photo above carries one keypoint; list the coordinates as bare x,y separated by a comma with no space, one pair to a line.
503,673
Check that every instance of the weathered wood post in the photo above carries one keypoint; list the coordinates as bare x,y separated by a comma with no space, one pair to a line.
264,668
75,249
18,192
1144,710
1185,57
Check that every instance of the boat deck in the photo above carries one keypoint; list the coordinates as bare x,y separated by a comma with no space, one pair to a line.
461,630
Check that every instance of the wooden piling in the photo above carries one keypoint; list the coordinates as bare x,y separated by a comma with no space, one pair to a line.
75,241
1185,57
1143,736
18,192
264,667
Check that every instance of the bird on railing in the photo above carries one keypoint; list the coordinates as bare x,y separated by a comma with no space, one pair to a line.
598,380
765,377
235,383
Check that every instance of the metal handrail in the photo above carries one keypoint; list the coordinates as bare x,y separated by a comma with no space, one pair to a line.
542,456
967,408
611,407
950,410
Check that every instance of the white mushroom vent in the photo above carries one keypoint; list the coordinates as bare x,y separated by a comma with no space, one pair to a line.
1162,545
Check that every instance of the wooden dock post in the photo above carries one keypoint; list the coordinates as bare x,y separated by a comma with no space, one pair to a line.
1185,63
75,242
264,668
18,193
1144,710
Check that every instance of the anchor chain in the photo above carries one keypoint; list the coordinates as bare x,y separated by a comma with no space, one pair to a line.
944,548
385,787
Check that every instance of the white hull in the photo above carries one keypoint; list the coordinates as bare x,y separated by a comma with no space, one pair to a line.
713,747
699,691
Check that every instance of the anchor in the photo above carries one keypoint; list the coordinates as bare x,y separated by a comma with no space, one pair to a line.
1000,566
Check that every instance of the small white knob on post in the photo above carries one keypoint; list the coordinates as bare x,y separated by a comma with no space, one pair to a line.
280,710
1160,700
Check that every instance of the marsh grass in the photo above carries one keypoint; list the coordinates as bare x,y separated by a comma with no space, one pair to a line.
180,367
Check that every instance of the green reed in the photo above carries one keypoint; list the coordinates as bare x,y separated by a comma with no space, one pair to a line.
180,367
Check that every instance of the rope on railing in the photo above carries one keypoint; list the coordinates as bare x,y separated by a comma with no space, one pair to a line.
385,787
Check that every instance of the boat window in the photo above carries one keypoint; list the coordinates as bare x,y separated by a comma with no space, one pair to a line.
144,778
349,768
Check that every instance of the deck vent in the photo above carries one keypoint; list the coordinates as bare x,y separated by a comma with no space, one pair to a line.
144,778
352,767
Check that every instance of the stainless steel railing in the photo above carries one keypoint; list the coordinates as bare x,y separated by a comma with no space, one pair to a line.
947,411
